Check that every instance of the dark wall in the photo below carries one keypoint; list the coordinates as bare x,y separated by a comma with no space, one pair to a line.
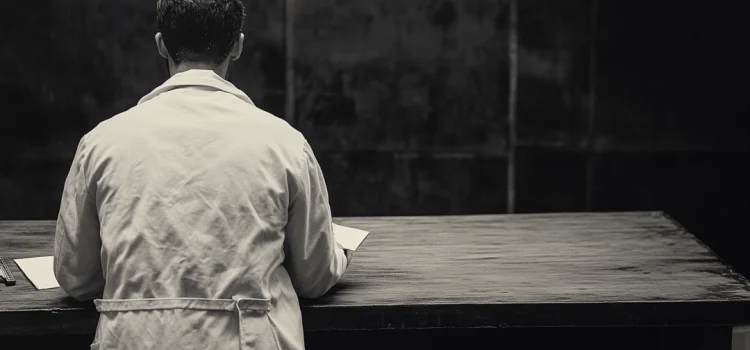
406,102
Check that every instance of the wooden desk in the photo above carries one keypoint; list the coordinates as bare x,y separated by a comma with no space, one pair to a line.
630,270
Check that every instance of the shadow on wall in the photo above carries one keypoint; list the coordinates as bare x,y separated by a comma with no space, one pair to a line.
38,139
375,78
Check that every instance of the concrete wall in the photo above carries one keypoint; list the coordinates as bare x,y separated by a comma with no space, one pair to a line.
406,102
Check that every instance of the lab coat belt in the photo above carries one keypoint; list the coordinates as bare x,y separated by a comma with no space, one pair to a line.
234,304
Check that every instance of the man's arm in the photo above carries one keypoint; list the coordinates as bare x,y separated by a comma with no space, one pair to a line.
313,258
77,259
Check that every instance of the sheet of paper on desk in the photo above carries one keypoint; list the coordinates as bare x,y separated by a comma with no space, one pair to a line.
349,238
39,271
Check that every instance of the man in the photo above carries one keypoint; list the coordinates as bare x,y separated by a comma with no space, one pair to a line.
195,219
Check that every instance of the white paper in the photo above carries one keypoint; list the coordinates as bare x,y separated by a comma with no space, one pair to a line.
349,238
39,271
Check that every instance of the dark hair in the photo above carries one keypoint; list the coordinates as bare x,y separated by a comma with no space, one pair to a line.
200,30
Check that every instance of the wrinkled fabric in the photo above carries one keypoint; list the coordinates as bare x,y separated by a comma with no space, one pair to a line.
194,220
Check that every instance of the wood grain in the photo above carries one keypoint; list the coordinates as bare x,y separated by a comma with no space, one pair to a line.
584,269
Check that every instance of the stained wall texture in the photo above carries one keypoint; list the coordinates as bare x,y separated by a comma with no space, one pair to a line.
621,106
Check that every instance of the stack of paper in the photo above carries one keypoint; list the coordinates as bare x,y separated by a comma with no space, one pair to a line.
349,238
39,271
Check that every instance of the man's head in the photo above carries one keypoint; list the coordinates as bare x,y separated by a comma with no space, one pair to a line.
202,34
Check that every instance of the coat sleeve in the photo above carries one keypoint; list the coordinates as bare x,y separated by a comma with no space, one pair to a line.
313,258
77,259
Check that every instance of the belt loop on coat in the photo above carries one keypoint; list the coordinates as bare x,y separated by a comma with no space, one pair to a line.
239,321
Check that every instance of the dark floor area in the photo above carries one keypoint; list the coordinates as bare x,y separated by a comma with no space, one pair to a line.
682,338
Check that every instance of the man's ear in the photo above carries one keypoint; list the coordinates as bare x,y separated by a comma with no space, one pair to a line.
160,46
237,48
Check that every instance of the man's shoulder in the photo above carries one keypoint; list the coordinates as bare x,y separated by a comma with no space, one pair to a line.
272,126
274,123
104,128
251,117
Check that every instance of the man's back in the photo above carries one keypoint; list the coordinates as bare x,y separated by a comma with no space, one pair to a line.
194,192
206,205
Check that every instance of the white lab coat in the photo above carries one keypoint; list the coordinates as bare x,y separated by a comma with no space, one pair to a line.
195,220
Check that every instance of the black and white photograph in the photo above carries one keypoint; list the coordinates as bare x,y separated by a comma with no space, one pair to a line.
374,174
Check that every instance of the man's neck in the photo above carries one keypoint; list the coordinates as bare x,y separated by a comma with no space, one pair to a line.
220,70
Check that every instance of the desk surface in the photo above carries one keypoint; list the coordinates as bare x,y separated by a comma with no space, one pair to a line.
524,270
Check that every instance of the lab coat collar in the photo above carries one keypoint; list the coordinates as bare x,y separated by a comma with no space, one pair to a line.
197,77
